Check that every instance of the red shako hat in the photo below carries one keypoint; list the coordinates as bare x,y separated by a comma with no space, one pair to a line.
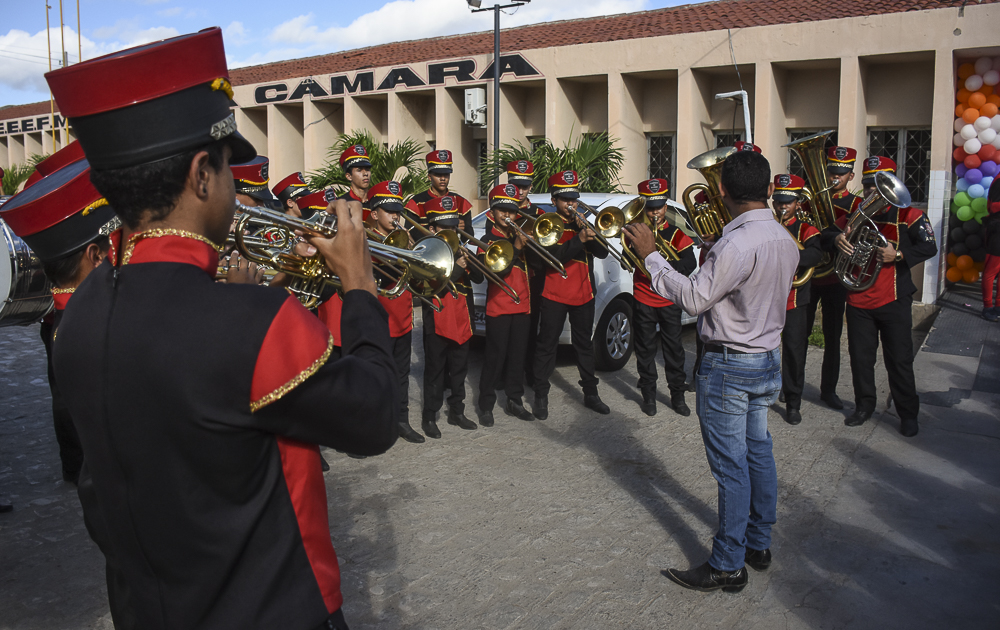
565,184
787,187
386,196
747,146
654,191
439,161
251,179
840,160
876,164
292,187
355,156
520,173
63,157
504,196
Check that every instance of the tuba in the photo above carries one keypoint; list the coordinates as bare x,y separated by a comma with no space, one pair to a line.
859,270
821,212
708,219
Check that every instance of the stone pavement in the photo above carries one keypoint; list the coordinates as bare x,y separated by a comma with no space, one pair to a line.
567,523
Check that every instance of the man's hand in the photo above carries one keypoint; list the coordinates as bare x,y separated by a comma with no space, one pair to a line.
519,241
347,254
844,245
242,271
887,253
460,260
641,238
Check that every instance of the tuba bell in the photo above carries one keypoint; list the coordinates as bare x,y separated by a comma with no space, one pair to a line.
708,219
821,212
859,270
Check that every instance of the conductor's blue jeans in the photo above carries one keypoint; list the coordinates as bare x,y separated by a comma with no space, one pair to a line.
734,393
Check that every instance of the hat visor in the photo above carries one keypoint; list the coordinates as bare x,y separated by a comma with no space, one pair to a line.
264,196
439,170
358,164
450,222
838,170
566,194
523,182
504,204
243,151
784,197
653,204
389,206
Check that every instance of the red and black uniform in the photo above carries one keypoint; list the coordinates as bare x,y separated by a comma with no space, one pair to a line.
70,451
415,206
833,296
507,328
572,296
651,310
795,335
350,196
200,432
883,311
536,282
400,310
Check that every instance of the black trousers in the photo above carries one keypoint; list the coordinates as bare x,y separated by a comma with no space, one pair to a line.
536,285
646,318
444,360
503,361
794,343
70,450
893,323
834,298
581,321
401,347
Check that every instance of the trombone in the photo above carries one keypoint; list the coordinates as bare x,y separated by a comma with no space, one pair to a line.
610,222
548,229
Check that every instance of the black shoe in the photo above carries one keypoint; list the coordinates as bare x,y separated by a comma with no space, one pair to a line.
758,560
909,427
857,418
430,426
323,464
990,315
458,419
705,578
781,398
407,433
648,404
678,403
486,418
541,407
6,507
593,401
691,387
792,416
516,409
833,401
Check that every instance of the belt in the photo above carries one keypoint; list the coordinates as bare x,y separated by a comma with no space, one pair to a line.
713,347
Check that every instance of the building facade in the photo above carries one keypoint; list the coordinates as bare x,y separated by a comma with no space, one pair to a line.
881,74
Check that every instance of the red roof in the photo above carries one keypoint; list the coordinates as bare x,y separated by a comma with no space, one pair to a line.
23,111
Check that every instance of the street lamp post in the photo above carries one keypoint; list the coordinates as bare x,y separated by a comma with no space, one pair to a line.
475,6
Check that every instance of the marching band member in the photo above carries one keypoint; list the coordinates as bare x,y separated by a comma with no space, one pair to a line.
572,296
883,311
358,171
650,310
521,174
507,322
288,191
795,336
439,168
447,334
198,431
251,181
386,204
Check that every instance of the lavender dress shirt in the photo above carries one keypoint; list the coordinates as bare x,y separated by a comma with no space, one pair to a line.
741,291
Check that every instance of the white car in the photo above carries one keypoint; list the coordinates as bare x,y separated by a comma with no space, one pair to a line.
613,344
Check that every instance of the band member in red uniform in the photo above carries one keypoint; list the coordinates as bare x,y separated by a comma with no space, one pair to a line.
649,310
197,432
386,204
795,335
288,191
447,334
571,296
358,171
828,290
883,311
521,173
251,182
439,168
507,322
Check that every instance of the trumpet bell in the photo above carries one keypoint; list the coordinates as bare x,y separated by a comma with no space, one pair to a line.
548,229
634,210
499,256
609,222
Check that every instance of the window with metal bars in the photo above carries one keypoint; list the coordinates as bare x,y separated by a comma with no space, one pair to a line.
794,163
485,183
910,148
661,159
727,138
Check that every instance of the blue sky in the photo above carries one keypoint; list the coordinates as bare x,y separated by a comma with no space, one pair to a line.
255,31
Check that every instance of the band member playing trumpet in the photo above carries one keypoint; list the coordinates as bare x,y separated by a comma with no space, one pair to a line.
795,336
447,333
386,204
507,322
651,310
288,191
883,311
571,296
439,168
358,171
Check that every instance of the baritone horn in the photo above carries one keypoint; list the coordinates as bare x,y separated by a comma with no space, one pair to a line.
821,214
709,218
859,270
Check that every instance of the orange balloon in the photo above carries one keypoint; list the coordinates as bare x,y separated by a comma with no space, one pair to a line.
970,275
963,96
989,110
977,100
964,262
954,274
979,266
986,90
970,115
966,70
994,99
952,258
960,109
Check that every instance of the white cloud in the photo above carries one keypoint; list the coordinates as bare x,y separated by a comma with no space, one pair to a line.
171,12
236,34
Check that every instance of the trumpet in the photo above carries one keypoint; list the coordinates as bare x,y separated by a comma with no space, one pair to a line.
607,224
548,229
431,261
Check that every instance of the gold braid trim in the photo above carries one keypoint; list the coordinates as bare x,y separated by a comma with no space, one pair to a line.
63,291
222,84
97,204
255,405
157,233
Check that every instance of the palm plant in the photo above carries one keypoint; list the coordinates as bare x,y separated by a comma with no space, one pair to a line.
403,161
14,176
595,158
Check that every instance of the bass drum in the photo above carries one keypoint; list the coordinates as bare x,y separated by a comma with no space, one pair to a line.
24,289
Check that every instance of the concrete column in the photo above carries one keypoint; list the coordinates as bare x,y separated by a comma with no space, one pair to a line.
939,193
625,97
853,131
769,116
284,139
692,114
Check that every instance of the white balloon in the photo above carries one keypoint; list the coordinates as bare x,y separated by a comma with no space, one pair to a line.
969,132
982,123
983,64
995,123
996,142
987,136
959,123
958,140
973,83
991,77
972,146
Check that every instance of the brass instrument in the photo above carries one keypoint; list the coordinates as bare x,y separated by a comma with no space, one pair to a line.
431,261
549,229
607,224
610,222
400,238
798,281
859,270
708,219
822,213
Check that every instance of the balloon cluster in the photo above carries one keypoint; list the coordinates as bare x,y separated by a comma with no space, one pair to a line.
977,163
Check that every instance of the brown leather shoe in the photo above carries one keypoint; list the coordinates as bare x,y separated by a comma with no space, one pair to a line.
705,578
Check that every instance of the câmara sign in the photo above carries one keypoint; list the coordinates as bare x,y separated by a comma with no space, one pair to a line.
461,71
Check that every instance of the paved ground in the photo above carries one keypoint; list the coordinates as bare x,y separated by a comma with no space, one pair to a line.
567,523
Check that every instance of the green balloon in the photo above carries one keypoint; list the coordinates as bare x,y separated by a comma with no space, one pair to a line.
963,199
979,218
964,213
954,207
979,205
